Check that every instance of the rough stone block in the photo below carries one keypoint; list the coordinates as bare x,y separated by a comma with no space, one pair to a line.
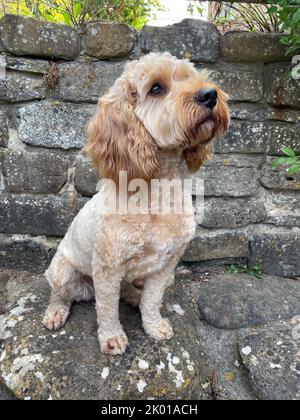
278,179
216,244
21,87
27,36
242,83
86,177
252,47
86,82
82,371
25,253
284,135
41,173
277,251
36,215
244,137
4,134
238,301
196,40
54,124
283,90
271,357
106,39
229,213
230,177
29,65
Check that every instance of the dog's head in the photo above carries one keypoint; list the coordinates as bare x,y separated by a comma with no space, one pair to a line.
158,103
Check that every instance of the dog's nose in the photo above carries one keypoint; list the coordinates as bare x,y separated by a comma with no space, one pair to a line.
207,98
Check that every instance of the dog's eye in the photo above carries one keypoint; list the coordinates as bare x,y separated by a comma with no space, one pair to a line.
156,90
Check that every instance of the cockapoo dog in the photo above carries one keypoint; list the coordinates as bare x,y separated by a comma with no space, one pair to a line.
157,121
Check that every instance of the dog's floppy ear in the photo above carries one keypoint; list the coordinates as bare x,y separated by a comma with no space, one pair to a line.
118,141
197,156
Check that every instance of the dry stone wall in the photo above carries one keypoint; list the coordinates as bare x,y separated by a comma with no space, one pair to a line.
252,212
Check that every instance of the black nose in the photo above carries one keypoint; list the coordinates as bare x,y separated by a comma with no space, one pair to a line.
207,98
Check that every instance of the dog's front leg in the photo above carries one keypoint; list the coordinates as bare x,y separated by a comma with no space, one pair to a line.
107,283
151,302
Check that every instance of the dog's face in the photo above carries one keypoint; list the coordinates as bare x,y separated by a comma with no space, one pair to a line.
159,102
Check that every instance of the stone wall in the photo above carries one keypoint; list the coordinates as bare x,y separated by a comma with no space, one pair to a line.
54,76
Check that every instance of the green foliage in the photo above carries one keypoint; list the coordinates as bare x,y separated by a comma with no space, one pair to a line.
288,15
291,161
255,271
76,12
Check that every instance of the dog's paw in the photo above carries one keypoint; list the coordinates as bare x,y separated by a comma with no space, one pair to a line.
55,318
161,331
114,345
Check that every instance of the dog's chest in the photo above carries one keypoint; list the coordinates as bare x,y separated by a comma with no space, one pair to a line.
162,242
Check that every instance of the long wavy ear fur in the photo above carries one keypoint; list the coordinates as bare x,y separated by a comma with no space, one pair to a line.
118,141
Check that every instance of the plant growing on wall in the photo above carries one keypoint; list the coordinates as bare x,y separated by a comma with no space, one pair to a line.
290,161
281,16
288,15
76,12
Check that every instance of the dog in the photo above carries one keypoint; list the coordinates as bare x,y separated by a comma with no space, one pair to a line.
158,121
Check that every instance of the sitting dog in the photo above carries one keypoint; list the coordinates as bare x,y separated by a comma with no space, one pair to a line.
158,121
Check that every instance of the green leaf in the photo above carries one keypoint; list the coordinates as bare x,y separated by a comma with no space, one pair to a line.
67,18
296,17
289,151
272,10
294,169
77,10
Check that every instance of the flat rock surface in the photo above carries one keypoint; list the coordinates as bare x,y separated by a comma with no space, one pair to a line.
239,301
272,357
38,364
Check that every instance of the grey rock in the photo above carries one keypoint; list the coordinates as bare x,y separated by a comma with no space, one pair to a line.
241,83
36,215
273,362
229,180
238,301
104,40
284,219
54,124
221,360
283,135
4,134
22,252
196,40
29,65
86,177
278,179
283,90
228,213
69,365
252,47
19,87
244,137
259,112
81,202
217,244
27,36
41,173
86,82
5,395
220,357
277,251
